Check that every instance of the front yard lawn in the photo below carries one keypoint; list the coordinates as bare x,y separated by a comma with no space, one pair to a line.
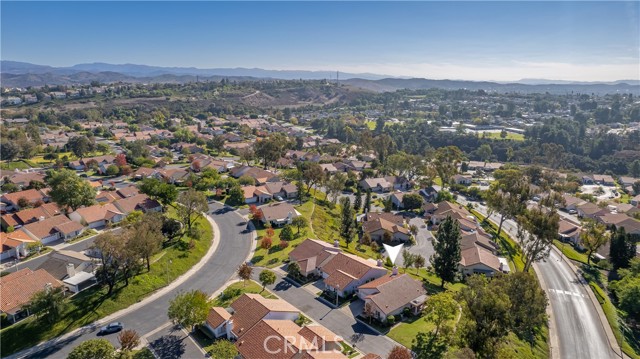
93,304
237,289
405,332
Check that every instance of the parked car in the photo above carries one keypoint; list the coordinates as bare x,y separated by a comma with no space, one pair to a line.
279,199
111,328
573,211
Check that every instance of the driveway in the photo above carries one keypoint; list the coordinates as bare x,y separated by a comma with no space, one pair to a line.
335,320
424,241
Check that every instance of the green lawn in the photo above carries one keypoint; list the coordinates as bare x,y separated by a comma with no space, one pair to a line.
235,290
371,125
405,332
94,303
13,165
570,252
510,136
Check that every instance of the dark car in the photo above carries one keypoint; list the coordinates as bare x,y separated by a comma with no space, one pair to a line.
111,328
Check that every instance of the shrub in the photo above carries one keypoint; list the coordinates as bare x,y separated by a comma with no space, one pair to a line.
266,243
270,232
391,320
283,244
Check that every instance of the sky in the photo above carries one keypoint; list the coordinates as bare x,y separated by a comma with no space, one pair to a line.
500,41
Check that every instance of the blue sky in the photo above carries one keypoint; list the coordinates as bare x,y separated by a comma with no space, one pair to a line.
461,40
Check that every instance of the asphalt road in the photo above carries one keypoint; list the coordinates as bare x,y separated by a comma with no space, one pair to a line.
579,329
336,320
233,249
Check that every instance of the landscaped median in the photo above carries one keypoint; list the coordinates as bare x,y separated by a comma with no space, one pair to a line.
93,304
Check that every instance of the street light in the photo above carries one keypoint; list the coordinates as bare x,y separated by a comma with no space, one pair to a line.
167,269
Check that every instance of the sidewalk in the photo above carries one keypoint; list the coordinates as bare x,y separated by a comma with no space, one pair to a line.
173,285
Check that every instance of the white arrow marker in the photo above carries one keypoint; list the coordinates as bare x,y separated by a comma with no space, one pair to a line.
393,251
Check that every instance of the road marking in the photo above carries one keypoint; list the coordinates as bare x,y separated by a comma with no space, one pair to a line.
560,292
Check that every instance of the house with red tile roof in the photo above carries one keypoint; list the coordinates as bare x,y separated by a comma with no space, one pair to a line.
139,202
22,179
17,288
377,224
266,328
391,294
30,215
311,254
14,244
33,196
344,272
52,229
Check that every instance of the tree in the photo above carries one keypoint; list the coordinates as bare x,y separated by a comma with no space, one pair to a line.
335,185
407,259
412,201
622,249
508,195
236,196
47,303
627,290
367,202
112,170
36,185
191,204
399,352
536,231
528,302
634,168
266,243
93,349
300,222
485,152
189,309
23,203
246,181
128,339
267,277
447,255
109,248
388,204
487,316
440,309
146,238
347,227
286,234
244,272
120,160
293,269
357,203
163,192
446,162
69,190
223,349
270,149
80,145
594,237
312,174
419,262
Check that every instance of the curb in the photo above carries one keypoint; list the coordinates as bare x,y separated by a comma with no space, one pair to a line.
160,292
613,343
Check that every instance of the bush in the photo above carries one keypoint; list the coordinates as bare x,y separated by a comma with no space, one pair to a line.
391,320
283,244
266,243
231,293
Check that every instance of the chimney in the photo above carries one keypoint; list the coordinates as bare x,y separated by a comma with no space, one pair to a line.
71,271
41,219
379,263
336,243
229,328
394,271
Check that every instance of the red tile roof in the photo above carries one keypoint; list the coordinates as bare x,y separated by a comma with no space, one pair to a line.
16,289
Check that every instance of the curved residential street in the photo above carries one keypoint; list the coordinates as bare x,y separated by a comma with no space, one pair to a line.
151,319
580,332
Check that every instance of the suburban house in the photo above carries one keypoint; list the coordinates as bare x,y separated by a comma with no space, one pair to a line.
571,203
429,193
17,289
466,220
139,202
22,179
74,269
26,216
635,201
590,210
480,240
32,196
385,184
278,214
259,175
569,231
102,162
391,294
604,180
261,327
268,191
478,260
620,220
97,216
311,254
462,180
200,162
396,198
52,229
377,224
14,244
343,273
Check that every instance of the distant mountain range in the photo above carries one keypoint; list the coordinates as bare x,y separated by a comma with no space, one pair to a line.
23,74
